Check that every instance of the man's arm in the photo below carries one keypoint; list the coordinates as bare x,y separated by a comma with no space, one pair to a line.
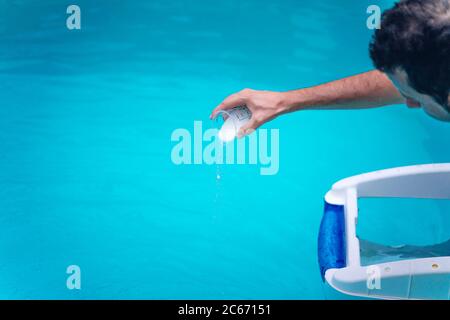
367,90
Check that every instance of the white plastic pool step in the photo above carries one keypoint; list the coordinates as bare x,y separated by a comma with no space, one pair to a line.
339,248
427,278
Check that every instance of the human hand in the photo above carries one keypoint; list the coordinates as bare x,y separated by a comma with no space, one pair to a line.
264,106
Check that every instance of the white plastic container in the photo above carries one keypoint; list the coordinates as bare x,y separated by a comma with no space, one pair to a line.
233,120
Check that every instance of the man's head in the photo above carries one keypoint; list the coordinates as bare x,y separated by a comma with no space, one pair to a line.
413,48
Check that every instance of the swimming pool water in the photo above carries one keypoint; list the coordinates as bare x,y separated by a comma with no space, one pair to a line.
86,176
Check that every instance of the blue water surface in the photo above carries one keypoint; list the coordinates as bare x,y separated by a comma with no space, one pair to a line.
86,176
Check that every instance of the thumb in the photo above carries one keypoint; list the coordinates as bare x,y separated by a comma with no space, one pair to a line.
248,128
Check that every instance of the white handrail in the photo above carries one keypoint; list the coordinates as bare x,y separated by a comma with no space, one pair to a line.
419,181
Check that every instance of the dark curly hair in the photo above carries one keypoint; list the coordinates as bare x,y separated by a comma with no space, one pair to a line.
415,36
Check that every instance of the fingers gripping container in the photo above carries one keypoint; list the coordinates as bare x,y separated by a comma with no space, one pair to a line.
339,252
233,120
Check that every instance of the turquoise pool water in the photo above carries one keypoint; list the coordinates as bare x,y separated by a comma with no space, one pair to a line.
86,176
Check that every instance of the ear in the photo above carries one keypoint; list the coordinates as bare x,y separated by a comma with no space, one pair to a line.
447,107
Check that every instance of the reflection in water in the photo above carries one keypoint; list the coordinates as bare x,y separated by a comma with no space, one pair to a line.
373,253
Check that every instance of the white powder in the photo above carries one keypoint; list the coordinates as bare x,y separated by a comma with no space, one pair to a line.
228,130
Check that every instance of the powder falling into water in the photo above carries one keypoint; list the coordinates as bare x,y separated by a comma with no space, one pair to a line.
218,185
218,192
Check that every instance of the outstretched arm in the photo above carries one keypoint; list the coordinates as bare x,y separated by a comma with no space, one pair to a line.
367,90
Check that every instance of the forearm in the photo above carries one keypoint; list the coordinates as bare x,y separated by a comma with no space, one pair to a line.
367,90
